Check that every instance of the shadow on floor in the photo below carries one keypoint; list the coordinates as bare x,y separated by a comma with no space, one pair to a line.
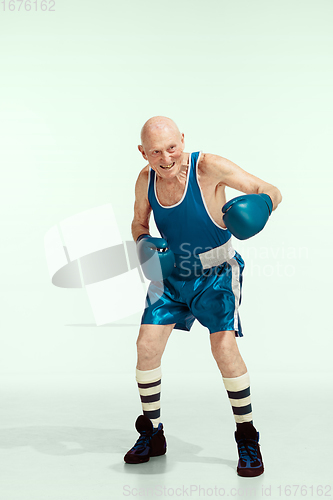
69,441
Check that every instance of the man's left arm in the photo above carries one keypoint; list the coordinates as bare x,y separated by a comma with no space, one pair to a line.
228,173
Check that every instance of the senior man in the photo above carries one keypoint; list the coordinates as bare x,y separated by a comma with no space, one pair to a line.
199,273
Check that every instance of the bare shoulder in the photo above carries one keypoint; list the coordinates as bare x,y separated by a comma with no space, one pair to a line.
142,206
214,166
211,164
225,172
144,174
141,186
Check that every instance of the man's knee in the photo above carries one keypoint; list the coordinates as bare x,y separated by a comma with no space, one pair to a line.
152,340
223,344
147,345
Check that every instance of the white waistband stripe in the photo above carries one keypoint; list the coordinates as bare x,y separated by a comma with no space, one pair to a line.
217,256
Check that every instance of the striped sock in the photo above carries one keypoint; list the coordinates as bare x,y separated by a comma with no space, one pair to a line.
238,389
149,384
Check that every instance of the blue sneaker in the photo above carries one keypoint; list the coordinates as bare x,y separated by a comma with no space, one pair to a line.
151,442
250,460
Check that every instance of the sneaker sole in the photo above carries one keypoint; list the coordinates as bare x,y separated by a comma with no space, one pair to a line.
250,472
135,461
158,454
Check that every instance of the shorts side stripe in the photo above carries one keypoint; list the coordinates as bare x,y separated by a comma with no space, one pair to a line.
235,286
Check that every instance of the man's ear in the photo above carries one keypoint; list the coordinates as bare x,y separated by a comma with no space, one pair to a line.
140,148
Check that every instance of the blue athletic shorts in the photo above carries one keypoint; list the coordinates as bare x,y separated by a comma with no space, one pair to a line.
212,298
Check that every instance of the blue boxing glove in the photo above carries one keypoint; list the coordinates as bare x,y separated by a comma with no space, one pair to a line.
247,215
156,259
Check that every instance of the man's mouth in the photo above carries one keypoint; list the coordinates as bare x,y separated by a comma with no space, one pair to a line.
167,167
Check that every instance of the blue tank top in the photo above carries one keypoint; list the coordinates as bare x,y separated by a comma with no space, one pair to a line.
187,226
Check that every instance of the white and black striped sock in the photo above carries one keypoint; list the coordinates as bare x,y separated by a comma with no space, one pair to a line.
238,389
149,384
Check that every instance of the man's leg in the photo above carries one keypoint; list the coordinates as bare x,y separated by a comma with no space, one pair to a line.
237,383
226,353
235,377
151,343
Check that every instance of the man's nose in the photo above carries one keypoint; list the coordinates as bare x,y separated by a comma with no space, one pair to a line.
165,158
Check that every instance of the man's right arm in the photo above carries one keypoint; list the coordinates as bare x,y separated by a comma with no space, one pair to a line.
156,259
142,208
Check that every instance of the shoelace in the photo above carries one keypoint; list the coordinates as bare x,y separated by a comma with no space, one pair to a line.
248,449
143,441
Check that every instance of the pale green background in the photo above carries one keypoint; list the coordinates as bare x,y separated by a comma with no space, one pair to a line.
251,81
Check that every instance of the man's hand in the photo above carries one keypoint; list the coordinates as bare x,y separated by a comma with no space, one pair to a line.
156,259
247,215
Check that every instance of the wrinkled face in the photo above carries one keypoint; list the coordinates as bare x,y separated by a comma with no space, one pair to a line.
163,149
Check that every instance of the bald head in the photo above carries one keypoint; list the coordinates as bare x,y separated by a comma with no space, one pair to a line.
162,145
157,125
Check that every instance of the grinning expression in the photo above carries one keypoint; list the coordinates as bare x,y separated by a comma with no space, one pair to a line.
163,149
